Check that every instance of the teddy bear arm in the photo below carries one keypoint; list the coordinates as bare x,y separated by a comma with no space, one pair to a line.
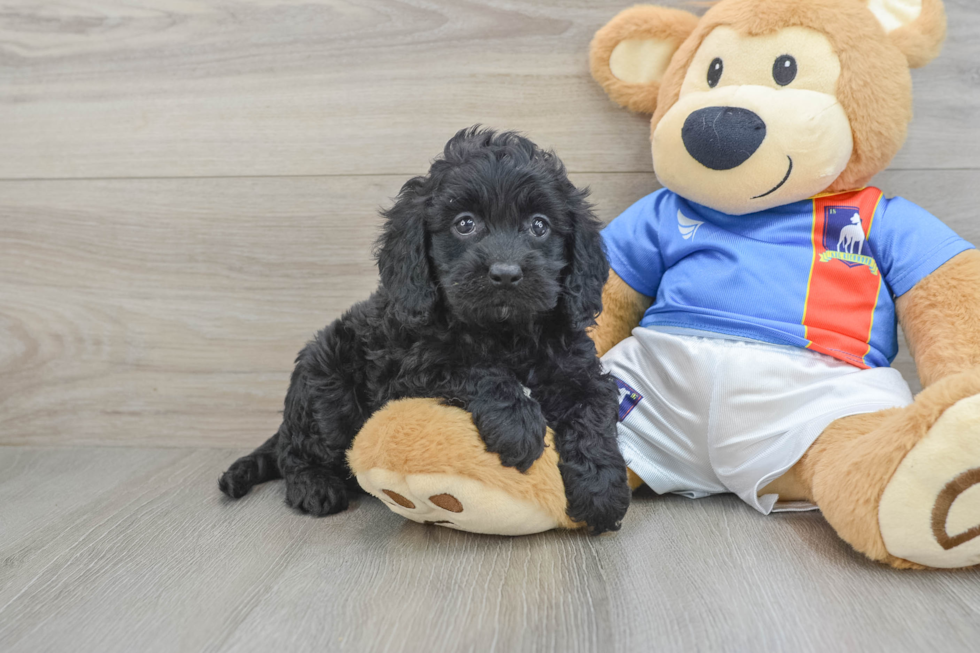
941,319
622,309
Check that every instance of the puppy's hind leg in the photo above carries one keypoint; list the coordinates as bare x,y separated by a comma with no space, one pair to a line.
322,414
257,467
313,465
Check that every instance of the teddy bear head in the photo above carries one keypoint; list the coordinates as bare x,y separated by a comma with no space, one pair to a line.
760,103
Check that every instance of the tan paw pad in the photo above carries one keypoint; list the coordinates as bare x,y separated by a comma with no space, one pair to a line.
400,500
447,502
963,494
455,502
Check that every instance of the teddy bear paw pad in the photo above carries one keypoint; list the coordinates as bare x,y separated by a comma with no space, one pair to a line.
455,502
930,510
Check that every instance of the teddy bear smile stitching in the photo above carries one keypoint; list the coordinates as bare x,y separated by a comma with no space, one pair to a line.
780,184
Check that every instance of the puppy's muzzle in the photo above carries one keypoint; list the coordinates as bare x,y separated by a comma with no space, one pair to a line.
505,275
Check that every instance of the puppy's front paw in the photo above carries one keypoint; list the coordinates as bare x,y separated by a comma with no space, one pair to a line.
513,430
316,491
598,496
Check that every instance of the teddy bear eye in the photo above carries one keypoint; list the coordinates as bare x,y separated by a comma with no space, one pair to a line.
714,71
784,70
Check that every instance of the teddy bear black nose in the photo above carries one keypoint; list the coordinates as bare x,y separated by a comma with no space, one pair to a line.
722,138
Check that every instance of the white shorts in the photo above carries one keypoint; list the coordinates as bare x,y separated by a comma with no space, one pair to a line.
707,415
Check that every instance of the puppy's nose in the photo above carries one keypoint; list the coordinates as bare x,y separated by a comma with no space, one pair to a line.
505,275
722,138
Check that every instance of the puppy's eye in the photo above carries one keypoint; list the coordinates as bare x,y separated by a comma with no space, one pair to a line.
540,226
464,224
715,70
784,70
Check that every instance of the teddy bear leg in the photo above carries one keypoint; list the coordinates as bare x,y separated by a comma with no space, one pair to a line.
902,485
427,462
633,479
930,509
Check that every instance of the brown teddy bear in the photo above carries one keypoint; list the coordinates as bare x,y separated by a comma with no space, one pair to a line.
750,316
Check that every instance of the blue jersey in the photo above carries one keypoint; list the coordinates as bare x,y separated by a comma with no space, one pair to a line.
821,273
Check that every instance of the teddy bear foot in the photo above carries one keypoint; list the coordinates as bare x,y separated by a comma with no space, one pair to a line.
427,462
455,502
930,510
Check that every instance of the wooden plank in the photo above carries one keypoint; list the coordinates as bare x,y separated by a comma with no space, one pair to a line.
37,510
168,312
148,288
136,568
167,88
157,560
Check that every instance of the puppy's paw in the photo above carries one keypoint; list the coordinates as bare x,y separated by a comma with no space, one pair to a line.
514,431
598,496
316,491
240,477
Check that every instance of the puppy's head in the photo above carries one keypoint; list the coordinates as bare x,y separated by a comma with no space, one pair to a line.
495,233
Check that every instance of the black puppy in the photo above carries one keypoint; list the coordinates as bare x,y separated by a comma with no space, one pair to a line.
491,270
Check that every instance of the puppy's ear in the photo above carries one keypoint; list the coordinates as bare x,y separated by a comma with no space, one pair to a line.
402,253
589,269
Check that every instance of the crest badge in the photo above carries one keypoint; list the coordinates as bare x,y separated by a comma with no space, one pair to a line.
844,238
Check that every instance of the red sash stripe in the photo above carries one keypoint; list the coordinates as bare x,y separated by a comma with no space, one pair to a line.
842,295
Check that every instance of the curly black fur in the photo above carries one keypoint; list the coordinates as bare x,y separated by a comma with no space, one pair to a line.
444,324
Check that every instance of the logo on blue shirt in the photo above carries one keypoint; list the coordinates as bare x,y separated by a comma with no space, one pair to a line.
687,226
628,399
843,238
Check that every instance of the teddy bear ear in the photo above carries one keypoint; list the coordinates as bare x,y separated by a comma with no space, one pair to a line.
917,27
630,54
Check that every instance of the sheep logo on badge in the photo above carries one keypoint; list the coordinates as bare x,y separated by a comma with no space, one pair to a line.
851,235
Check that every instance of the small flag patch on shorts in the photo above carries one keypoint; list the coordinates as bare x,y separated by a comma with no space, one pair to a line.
628,399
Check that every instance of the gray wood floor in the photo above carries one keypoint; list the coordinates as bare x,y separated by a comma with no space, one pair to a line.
188,190
131,549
